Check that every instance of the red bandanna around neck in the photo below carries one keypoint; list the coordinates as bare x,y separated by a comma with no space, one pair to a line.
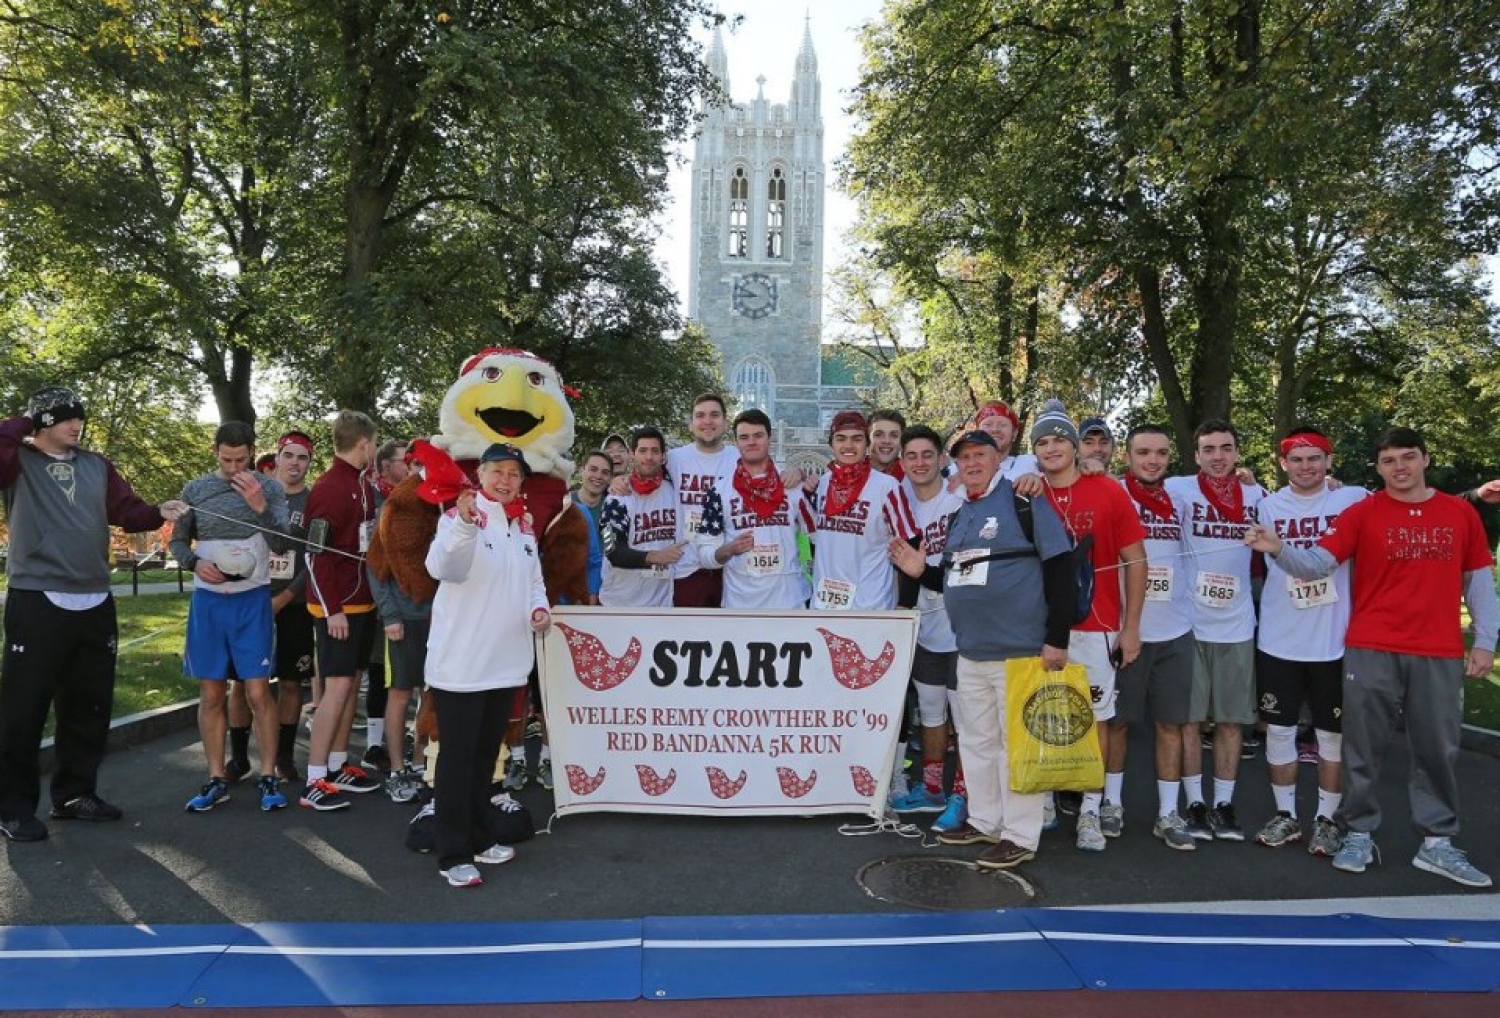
845,482
1225,494
646,485
763,495
1154,499
514,508
1306,441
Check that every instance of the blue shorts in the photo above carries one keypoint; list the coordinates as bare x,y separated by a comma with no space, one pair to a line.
230,630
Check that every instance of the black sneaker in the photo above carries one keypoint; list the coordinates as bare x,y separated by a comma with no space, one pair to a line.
377,757
350,778
1226,826
1068,803
322,796
235,771
27,828
86,807
1197,822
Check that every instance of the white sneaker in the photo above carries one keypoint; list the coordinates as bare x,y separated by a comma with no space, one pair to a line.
1090,836
462,875
495,855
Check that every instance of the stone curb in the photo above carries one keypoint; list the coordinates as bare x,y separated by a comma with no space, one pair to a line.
1481,740
134,729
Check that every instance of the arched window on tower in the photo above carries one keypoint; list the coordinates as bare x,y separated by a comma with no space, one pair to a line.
775,213
739,213
753,385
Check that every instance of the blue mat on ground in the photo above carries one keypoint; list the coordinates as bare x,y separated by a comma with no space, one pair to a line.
307,965
1161,951
1466,944
779,956
56,968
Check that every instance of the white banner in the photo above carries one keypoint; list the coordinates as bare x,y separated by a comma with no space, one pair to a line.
710,712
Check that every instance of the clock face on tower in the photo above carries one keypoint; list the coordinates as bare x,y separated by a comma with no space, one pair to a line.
755,295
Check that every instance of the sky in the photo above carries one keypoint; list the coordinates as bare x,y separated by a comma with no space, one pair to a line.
766,43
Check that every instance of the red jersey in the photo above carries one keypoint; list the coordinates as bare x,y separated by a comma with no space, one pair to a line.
1410,561
1096,504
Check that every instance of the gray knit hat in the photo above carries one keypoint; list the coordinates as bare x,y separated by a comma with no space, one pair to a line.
1054,420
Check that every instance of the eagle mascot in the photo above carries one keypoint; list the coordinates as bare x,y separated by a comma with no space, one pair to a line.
516,397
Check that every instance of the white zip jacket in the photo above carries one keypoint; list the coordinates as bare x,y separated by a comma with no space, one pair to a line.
489,582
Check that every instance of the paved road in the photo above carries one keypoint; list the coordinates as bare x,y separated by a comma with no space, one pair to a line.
239,865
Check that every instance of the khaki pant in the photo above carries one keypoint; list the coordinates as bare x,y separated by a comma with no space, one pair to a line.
979,716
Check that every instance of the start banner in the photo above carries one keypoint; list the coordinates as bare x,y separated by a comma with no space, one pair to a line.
713,712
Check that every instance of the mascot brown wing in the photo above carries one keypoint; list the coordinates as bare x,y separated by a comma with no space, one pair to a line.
399,548
565,557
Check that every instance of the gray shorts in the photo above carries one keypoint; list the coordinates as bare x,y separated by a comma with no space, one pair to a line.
1224,683
408,655
1158,685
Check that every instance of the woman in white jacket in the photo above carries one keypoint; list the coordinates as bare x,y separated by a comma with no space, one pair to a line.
490,601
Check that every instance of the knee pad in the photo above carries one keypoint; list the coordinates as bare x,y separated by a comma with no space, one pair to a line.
932,705
1330,746
1281,744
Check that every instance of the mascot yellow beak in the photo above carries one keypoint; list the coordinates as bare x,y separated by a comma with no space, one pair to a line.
511,404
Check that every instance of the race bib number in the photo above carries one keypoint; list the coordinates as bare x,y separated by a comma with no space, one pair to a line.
763,560
658,572
1311,593
834,595
366,531
283,565
695,520
965,572
1158,583
1216,590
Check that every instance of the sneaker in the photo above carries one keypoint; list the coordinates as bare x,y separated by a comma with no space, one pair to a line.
920,800
213,793
543,773
377,758
1326,839
286,770
271,796
1069,803
1173,830
1280,830
953,816
1357,852
899,787
401,786
1004,856
235,771
27,828
350,778
1112,819
967,834
534,728
1225,825
1447,860
495,855
515,774
323,796
1049,812
86,807
1090,837
463,875
1198,827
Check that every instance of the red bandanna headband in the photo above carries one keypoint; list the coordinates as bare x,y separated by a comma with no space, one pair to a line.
294,438
847,420
1306,441
995,408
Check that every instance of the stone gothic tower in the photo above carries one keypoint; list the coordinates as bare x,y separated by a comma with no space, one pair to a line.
757,244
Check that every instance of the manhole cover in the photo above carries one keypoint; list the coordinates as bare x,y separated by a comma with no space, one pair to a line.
942,883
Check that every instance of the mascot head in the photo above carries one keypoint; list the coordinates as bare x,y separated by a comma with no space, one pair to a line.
509,396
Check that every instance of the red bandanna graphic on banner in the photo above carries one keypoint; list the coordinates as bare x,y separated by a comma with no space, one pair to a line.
595,667
851,668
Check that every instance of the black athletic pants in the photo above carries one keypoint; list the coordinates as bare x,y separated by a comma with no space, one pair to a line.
53,656
471,727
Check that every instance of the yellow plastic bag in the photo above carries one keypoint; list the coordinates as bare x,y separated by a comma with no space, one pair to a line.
1053,743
